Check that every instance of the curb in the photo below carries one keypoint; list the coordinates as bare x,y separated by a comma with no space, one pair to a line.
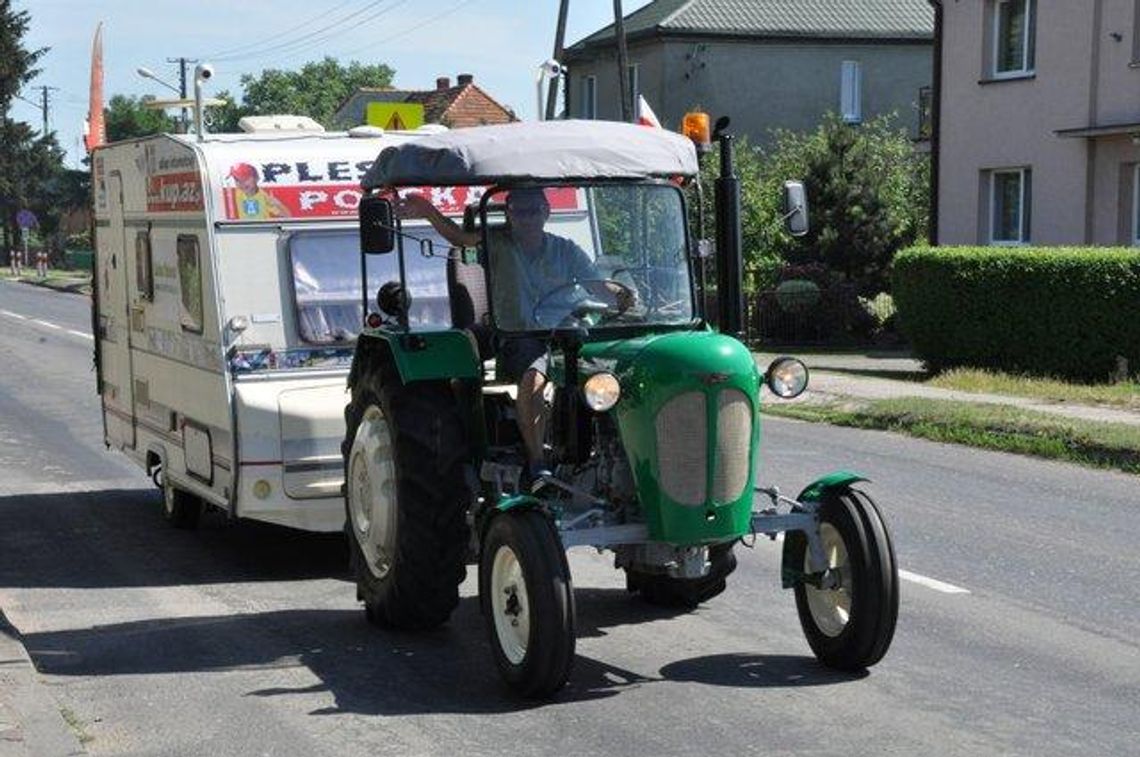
30,721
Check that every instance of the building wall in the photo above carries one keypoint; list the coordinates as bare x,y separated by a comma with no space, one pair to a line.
760,85
1082,78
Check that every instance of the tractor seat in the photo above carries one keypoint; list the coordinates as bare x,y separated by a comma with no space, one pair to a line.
470,309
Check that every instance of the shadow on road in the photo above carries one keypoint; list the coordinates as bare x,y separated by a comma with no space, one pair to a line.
374,672
117,538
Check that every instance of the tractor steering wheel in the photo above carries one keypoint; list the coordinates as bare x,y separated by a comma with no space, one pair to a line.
588,305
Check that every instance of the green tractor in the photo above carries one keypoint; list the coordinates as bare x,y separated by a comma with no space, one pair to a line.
650,429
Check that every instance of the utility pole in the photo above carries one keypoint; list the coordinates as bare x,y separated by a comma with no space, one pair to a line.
183,64
623,64
44,105
559,40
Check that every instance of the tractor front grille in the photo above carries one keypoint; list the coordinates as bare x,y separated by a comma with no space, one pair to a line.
683,447
733,445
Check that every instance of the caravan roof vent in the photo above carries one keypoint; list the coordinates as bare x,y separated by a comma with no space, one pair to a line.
258,124
365,131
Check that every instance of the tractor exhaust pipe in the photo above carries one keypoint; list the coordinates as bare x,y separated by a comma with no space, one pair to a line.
730,266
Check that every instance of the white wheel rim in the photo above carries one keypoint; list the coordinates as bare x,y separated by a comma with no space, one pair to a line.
372,492
510,605
831,608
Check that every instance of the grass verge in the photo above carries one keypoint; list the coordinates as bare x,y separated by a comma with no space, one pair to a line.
1125,394
995,427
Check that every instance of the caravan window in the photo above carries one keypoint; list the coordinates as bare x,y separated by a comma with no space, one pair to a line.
143,277
190,281
328,292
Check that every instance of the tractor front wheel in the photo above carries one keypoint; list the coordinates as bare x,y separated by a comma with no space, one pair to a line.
528,602
849,624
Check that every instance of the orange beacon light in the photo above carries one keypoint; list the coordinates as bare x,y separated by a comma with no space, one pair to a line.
695,126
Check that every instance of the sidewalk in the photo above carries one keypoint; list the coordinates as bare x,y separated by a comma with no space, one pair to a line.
875,376
31,724
78,282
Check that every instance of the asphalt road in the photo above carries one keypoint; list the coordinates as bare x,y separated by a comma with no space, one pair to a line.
1017,629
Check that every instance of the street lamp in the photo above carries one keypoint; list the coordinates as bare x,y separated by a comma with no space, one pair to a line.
146,73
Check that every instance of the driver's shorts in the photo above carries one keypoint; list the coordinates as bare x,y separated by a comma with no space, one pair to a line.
518,354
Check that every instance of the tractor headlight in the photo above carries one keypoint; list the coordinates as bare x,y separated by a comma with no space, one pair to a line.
602,391
787,377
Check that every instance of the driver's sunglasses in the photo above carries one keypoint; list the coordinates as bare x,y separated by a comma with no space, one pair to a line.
526,210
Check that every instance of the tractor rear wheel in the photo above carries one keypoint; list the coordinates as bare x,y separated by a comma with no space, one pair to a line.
406,496
850,626
665,591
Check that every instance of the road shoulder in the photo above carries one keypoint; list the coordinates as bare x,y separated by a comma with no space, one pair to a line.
30,719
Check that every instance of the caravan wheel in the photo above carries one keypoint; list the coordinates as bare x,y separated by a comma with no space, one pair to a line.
181,509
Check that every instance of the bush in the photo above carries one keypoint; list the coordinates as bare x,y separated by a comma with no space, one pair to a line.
797,295
1067,312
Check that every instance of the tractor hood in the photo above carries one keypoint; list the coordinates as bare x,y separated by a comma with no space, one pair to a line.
688,419
659,365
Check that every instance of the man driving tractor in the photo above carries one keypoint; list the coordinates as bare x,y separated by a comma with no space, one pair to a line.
539,263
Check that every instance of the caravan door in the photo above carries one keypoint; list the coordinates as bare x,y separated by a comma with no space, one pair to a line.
114,345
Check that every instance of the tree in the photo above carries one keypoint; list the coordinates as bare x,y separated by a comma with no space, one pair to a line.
129,118
869,196
17,140
315,91
16,62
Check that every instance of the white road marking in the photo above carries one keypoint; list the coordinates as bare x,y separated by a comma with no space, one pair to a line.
906,575
46,324
932,583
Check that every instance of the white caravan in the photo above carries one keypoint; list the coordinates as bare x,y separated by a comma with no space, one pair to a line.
226,305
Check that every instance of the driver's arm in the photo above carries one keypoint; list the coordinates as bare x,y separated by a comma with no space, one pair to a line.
605,289
417,206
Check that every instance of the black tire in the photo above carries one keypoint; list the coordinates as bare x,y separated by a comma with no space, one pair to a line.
686,593
180,508
528,602
850,628
414,581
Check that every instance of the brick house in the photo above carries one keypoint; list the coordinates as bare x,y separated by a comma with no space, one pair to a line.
464,104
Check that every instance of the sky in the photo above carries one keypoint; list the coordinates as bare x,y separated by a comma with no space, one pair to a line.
500,42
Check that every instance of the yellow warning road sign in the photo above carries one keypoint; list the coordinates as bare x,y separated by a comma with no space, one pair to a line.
395,116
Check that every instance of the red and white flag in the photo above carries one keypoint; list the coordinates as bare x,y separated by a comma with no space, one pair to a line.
645,114
96,132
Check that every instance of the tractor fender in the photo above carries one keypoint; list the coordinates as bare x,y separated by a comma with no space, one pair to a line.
839,479
814,492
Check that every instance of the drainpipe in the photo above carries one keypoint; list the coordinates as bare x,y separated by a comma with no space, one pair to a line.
936,121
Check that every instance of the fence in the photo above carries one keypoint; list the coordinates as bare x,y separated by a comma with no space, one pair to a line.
834,316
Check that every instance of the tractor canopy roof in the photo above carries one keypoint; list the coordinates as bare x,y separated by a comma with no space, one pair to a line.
543,151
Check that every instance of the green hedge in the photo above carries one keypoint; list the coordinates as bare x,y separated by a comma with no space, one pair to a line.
1051,311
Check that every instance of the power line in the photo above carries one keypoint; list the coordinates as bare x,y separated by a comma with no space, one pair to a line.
410,29
321,34
222,54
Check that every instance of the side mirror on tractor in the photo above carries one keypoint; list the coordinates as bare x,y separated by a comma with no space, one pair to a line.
795,208
377,234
